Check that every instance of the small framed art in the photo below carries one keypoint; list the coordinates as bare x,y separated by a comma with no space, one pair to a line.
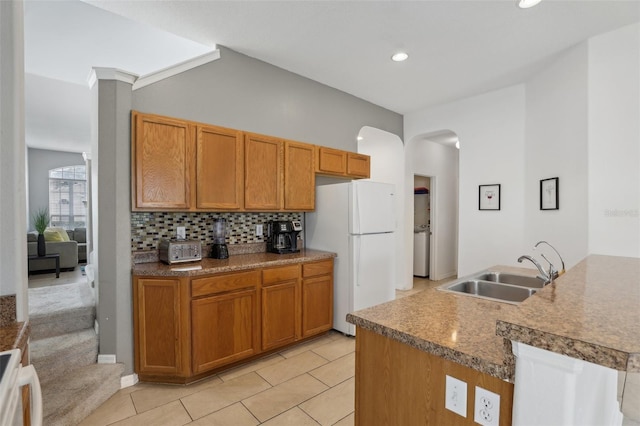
549,194
489,197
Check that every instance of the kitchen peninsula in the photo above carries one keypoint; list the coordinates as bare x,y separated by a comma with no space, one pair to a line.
405,348
193,319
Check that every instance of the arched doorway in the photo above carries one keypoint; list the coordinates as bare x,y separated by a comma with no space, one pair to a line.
436,155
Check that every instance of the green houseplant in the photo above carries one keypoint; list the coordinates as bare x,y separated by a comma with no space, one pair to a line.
40,222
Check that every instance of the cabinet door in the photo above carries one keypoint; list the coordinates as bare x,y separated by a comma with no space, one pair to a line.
299,176
358,165
280,314
225,329
317,297
317,305
162,158
219,168
331,161
262,173
157,324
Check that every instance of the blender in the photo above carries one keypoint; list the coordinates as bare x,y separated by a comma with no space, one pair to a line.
219,248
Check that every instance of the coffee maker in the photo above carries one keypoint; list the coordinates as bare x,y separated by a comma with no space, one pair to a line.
282,236
219,248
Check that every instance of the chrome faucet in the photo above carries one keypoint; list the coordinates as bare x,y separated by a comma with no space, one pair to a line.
544,276
550,264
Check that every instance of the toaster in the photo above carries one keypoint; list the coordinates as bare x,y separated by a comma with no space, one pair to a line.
178,251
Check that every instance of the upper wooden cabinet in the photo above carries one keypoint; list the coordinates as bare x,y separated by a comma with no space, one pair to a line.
262,172
335,162
331,161
358,165
219,168
299,176
179,165
162,162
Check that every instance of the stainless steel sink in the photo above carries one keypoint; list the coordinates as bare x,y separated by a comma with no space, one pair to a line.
513,279
498,286
491,290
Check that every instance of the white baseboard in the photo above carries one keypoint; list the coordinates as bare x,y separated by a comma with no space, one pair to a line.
106,359
127,381
446,275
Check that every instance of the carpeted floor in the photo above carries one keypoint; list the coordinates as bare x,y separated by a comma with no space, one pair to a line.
66,277
50,300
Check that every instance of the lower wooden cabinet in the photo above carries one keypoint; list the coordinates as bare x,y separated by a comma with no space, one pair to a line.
317,297
224,329
280,306
186,328
159,322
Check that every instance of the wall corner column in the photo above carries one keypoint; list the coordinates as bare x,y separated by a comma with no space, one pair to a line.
111,210
13,189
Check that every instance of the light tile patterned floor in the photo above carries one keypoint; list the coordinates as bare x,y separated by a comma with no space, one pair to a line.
312,383
309,384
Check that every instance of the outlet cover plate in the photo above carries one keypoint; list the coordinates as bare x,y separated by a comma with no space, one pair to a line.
456,396
486,410
259,230
181,232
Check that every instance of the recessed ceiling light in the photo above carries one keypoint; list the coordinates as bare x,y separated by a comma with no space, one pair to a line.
526,4
399,57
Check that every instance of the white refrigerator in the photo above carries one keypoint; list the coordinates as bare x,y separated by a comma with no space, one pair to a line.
356,220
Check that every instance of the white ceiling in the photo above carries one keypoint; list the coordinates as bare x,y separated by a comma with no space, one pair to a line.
457,48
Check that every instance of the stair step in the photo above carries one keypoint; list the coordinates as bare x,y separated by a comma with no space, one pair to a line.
60,309
56,356
73,397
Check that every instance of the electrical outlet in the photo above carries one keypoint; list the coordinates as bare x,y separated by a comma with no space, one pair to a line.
181,232
487,407
259,230
456,396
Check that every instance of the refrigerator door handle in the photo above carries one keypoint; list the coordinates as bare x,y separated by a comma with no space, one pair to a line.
357,261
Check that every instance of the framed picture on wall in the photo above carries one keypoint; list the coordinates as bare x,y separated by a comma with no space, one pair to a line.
489,197
550,194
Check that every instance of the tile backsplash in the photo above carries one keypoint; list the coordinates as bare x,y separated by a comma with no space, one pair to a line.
149,228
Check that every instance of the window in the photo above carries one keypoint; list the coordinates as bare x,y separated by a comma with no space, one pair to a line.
68,197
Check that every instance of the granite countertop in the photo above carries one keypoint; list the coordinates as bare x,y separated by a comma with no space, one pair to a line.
237,262
455,327
15,335
590,313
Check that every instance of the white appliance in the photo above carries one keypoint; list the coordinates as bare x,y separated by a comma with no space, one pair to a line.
421,237
356,220
12,377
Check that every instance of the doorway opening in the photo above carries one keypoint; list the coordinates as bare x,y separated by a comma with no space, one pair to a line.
422,188
435,156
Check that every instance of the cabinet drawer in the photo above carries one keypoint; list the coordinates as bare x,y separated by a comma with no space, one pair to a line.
317,268
222,283
285,273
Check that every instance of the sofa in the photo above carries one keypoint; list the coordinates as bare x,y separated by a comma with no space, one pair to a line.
71,252
80,236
